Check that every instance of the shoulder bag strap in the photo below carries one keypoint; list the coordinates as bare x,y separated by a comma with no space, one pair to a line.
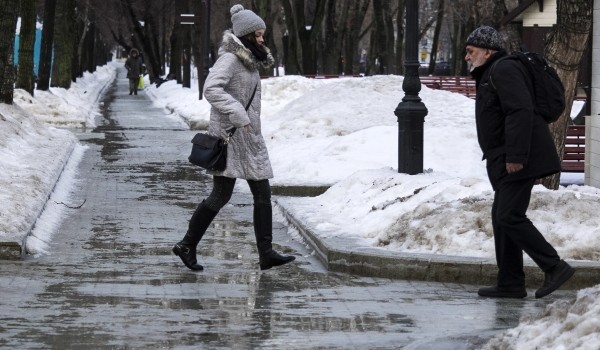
230,131
251,97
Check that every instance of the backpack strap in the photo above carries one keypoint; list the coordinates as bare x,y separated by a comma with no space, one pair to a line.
494,66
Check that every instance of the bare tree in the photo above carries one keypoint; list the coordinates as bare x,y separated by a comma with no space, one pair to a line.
436,35
303,34
354,24
64,44
400,36
46,47
8,22
83,29
384,36
25,79
567,43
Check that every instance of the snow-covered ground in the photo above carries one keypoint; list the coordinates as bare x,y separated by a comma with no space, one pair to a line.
341,133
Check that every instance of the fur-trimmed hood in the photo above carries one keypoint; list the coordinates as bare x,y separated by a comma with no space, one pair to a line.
233,45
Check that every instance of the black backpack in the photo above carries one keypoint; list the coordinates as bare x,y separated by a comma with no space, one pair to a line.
549,92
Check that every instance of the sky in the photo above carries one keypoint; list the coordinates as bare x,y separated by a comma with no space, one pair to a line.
340,133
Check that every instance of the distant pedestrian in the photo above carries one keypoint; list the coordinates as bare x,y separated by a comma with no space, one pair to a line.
362,62
133,64
229,87
519,149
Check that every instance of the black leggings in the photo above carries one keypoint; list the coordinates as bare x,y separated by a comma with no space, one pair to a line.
223,189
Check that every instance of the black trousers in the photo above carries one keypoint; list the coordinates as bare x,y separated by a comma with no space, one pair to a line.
514,234
133,84
223,189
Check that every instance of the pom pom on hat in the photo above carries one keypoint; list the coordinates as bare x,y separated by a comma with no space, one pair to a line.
487,38
245,21
236,8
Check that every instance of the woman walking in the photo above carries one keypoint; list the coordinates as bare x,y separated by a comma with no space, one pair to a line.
232,84
133,64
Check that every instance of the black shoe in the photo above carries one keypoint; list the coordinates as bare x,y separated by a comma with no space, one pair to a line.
130,92
555,278
188,256
273,259
503,292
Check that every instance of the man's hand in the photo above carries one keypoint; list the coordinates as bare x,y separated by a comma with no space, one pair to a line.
513,167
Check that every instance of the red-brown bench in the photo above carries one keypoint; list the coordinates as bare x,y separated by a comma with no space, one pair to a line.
459,84
574,153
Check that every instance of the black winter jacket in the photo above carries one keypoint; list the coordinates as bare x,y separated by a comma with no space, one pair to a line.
508,129
134,67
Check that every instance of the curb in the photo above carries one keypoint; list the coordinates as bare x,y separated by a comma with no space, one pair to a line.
298,191
342,254
13,248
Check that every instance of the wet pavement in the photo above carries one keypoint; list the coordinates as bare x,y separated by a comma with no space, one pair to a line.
109,279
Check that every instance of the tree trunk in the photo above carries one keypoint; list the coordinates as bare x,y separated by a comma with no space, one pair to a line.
83,22
46,46
567,42
381,49
384,37
175,62
25,71
64,44
330,54
89,53
145,38
199,44
356,18
302,41
8,23
436,36
291,42
184,38
400,37
265,10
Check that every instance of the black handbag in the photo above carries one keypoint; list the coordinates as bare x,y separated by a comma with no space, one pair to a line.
210,152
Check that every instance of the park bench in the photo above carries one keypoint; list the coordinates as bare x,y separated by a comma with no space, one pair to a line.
574,152
459,84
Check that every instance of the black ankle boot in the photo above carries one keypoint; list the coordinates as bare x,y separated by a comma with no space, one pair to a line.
186,248
263,230
272,259
188,256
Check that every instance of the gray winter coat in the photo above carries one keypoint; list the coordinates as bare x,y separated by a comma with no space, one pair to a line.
228,89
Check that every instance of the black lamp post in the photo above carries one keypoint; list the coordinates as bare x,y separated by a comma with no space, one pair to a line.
207,40
411,111
204,66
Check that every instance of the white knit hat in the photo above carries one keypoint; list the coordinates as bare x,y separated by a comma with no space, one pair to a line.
245,21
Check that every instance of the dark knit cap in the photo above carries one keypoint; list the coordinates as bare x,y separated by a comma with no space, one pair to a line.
487,38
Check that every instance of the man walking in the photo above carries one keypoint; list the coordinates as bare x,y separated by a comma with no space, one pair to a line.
519,149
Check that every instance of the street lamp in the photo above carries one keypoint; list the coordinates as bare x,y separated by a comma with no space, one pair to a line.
206,40
411,111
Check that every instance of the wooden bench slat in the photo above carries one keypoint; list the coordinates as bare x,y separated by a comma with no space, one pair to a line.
574,152
576,157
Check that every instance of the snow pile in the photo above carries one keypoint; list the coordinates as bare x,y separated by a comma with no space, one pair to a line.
563,325
32,156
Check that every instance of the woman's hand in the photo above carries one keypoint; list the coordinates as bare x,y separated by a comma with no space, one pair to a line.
246,129
513,167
